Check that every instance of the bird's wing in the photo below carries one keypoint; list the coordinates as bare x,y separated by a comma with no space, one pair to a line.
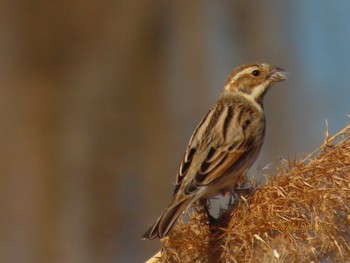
217,161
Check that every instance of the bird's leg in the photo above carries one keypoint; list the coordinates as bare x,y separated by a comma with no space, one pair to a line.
233,197
244,189
206,206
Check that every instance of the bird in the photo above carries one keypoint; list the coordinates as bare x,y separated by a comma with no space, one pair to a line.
224,145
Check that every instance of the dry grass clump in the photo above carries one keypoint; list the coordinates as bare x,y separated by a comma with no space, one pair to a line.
188,242
302,215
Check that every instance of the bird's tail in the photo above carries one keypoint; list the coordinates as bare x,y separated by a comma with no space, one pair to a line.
167,220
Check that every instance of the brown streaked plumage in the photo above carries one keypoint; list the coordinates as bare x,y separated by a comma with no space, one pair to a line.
224,145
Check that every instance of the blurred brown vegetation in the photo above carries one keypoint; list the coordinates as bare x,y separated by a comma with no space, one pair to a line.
88,134
302,215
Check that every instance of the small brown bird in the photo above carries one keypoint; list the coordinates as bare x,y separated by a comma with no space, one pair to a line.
224,145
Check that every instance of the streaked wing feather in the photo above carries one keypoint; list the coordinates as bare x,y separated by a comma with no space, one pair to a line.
203,129
212,168
229,159
184,167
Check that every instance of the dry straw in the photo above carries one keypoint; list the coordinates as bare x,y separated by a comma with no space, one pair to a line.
301,215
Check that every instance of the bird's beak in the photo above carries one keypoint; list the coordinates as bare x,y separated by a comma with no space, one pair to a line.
277,74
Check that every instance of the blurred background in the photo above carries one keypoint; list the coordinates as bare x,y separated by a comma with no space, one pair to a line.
99,98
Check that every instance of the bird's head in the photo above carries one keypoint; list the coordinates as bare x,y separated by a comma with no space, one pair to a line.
253,80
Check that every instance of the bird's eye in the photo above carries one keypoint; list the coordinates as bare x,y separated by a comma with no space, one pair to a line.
255,73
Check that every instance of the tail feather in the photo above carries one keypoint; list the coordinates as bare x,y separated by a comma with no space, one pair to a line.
166,221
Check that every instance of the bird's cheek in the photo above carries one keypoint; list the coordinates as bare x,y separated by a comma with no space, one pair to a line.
244,88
